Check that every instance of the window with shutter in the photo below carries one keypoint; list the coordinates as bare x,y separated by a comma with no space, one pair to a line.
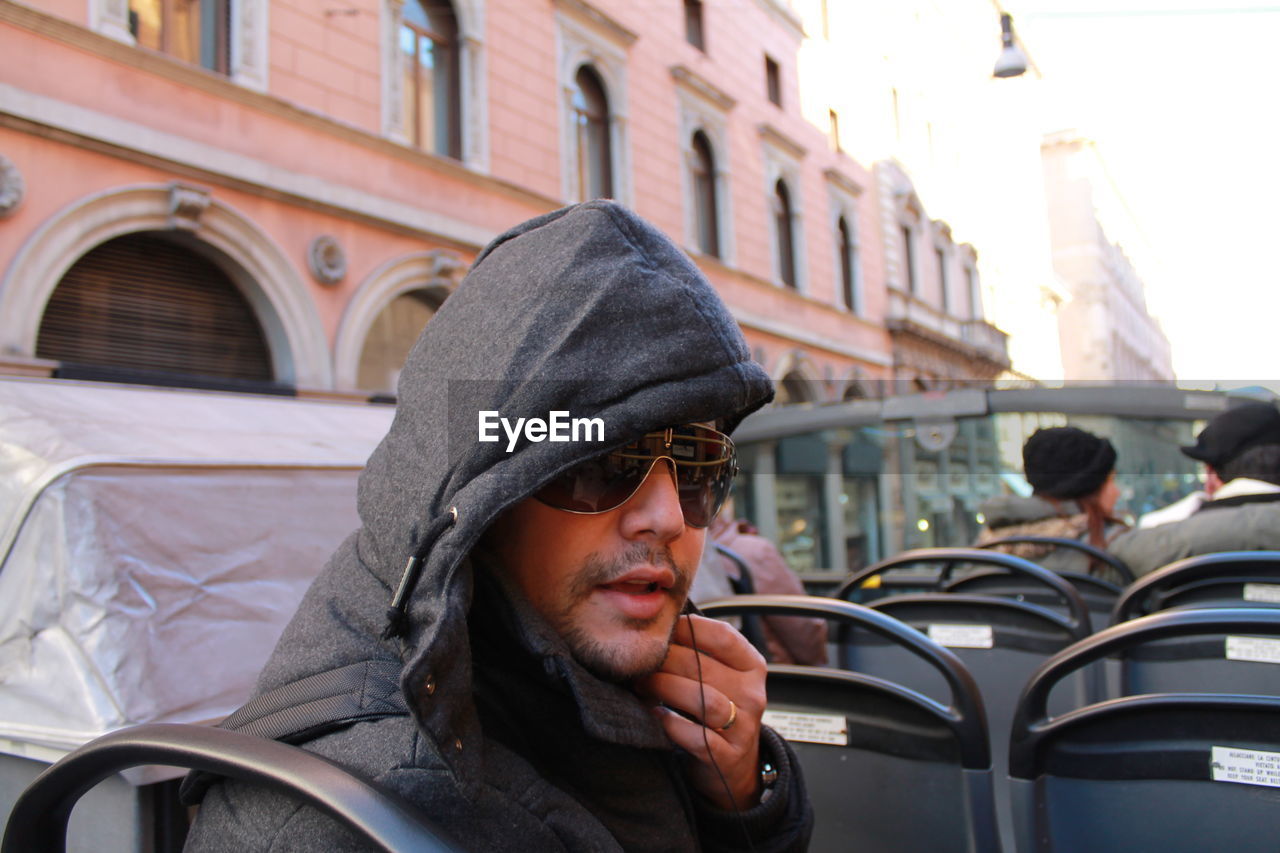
146,303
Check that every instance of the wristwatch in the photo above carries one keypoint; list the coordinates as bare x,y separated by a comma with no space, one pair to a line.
768,774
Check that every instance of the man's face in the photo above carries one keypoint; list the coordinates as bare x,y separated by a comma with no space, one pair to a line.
613,583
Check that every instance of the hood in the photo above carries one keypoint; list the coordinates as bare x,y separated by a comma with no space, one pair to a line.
588,310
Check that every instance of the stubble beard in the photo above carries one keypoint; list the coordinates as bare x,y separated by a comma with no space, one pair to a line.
636,656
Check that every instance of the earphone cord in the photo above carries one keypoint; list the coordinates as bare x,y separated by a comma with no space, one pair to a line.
702,714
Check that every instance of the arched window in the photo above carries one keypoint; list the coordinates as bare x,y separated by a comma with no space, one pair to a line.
704,196
145,302
429,42
392,335
591,130
784,233
848,264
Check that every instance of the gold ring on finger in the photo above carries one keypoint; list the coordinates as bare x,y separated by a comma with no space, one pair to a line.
733,717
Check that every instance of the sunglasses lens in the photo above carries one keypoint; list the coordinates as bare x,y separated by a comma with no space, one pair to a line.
704,469
597,485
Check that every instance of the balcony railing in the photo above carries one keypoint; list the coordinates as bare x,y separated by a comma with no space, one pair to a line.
909,313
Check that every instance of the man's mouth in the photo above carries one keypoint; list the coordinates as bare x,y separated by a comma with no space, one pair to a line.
634,587
642,593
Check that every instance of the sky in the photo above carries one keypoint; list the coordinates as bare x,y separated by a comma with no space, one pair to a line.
1181,98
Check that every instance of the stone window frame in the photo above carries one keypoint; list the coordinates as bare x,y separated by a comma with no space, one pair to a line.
249,36
586,36
282,300
843,195
473,93
705,108
944,254
435,272
781,159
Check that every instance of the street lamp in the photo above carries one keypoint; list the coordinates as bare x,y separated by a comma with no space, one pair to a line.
1012,61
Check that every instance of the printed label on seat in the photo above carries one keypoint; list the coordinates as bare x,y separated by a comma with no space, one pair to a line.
810,728
962,636
1268,593
1257,649
1246,766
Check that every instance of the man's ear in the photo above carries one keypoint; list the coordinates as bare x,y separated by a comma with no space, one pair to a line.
1212,482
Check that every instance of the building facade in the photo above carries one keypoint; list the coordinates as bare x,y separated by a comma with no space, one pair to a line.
331,171
271,195
1107,331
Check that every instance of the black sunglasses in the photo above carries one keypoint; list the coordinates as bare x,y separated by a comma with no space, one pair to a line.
702,463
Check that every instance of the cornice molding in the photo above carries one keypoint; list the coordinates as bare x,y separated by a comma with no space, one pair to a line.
703,88
589,14
184,158
141,59
843,181
781,141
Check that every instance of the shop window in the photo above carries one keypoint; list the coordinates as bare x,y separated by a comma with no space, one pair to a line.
147,304
431,89
195,31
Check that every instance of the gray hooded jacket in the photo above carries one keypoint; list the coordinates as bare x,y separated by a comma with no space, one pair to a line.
510,744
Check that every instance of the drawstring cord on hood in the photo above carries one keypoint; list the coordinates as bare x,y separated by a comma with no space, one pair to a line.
397,613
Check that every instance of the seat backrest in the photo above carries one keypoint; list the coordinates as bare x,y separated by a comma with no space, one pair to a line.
38,821
1107,566
1099,595
1223,579
1174,772
1000,641
945,558
886,767
744,584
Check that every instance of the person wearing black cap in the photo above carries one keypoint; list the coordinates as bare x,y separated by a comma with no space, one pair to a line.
1072,475
1240,449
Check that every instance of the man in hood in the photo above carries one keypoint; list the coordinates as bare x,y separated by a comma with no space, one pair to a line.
505,641
1240,449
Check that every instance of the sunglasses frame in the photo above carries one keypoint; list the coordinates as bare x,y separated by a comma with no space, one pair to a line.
668,436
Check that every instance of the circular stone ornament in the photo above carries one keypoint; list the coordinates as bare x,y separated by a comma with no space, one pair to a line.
327,260
12,187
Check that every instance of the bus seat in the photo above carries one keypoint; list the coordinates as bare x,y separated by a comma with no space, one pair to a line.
1175,772
886,767
1000,641
39,818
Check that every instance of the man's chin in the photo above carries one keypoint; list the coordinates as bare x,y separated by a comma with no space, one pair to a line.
619,661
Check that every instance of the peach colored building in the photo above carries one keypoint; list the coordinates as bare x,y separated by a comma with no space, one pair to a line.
276,196
318,176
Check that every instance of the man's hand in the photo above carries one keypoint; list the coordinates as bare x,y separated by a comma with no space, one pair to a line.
731,691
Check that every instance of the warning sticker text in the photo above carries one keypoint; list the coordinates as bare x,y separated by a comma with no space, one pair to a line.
1257,649
1246,766
962,636
810,728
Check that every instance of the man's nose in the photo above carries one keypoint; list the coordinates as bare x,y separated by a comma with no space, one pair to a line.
654,512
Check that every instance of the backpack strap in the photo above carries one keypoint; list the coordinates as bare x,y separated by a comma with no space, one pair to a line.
306,709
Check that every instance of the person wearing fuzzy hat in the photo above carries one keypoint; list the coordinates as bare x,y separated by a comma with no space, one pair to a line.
1072,476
